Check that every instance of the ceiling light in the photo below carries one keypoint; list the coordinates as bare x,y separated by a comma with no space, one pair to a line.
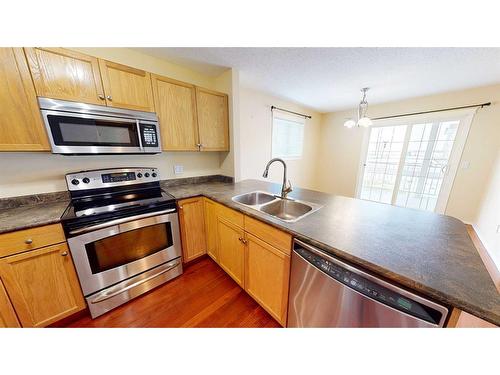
362,120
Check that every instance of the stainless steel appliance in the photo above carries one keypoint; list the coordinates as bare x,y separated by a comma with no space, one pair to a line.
123,234
79,128
327,292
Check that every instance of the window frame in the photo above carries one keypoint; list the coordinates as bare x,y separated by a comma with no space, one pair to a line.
276,114
465,118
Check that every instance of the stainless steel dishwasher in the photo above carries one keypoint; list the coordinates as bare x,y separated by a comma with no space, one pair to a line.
327,292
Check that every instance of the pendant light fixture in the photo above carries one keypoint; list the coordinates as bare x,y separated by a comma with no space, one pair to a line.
362,119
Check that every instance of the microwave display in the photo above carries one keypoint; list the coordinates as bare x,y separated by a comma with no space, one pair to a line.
148,133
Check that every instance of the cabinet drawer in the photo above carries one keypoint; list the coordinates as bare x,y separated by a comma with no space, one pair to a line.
230,215
29,239
269,234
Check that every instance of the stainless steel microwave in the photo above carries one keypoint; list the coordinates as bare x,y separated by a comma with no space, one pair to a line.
79,128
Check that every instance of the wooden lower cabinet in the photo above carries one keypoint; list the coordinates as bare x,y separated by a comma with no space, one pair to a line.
211,227
192,223
8,318
267,273
42,285
231,249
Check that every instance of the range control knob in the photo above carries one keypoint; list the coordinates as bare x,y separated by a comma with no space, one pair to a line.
146,174
139,175
75,181
154,174
86,180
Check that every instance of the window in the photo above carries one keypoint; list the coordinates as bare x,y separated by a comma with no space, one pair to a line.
413,163
288,136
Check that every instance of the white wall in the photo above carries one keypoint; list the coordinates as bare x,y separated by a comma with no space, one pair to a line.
487,224
341,147
255,140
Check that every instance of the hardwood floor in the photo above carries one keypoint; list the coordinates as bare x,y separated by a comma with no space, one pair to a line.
204,296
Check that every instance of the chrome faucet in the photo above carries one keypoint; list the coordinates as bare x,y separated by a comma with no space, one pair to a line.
287,186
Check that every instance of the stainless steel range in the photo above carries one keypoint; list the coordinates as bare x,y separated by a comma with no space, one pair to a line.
123,234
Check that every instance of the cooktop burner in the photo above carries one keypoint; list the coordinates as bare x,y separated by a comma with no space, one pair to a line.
104,195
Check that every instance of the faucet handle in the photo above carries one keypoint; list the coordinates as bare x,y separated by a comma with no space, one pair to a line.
288,187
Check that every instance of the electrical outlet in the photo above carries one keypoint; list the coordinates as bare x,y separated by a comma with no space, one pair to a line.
178,169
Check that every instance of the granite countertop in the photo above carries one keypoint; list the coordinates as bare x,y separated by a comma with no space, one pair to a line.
429,253
32,211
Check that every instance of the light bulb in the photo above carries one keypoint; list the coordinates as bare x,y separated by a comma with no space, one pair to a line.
365,122
350,123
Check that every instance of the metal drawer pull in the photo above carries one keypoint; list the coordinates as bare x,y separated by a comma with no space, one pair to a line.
120,221
28,241
109,97
64,254
108,296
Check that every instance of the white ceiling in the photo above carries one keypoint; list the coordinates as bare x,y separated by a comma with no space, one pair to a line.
329,79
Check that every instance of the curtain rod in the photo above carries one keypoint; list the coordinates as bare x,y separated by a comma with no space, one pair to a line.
286,110
433,111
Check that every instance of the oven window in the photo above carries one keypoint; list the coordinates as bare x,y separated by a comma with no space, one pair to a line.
116,251
76,131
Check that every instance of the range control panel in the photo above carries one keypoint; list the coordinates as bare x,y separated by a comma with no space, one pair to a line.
104,178
367,287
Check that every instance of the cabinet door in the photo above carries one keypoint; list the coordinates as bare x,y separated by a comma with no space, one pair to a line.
231,249
21,126
211,228
213,121
8,318
126,87
175,104
192,224
42,285
267,275
62,74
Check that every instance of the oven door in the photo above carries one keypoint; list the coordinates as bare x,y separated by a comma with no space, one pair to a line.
110,255
77,133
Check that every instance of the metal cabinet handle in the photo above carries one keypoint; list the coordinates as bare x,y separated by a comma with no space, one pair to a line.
63,254
242,240
28,241
101,96
109,97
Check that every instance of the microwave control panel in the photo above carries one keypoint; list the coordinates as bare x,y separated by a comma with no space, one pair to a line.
149,135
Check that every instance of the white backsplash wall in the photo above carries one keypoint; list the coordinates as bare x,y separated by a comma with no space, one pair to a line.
32,173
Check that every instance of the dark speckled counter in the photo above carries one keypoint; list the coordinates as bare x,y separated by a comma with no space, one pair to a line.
429,253
425,252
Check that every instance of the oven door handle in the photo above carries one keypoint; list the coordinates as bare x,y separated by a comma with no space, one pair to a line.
106,296
120,221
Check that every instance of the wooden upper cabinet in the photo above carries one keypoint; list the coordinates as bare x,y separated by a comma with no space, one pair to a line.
213,120
192,225
42,285
62,74
8,318
21,126
175,104
126,87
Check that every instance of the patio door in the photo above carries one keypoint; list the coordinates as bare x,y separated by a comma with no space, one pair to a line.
412,161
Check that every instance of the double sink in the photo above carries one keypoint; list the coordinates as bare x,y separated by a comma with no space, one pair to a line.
284,209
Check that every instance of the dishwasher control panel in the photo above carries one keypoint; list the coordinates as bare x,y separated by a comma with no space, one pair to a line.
369,288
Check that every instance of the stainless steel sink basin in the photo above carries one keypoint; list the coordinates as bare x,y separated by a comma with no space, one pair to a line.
254,198
288,210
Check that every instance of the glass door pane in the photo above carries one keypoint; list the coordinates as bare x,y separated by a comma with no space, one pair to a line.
426,164
382,163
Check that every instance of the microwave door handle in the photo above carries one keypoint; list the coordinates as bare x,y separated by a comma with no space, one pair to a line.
139,134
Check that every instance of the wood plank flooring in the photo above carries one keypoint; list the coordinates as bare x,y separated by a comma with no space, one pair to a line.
204,296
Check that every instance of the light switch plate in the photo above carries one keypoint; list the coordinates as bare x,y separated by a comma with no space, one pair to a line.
178,169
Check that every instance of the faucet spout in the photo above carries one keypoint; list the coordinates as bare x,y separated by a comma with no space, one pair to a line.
287,186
